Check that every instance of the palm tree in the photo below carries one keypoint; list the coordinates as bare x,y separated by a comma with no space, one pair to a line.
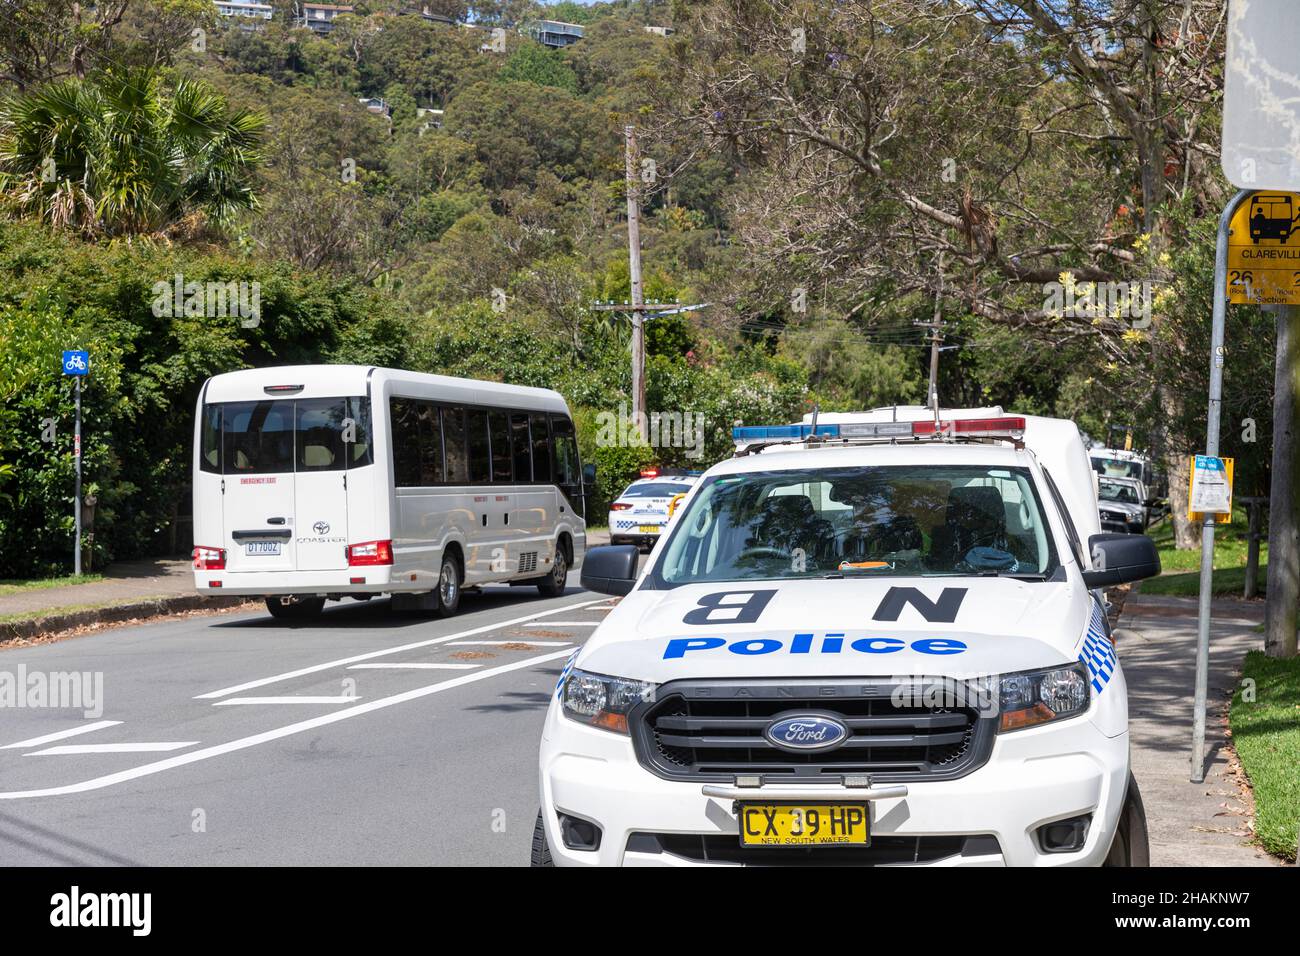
121,154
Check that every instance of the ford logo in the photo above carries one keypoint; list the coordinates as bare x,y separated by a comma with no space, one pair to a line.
803,732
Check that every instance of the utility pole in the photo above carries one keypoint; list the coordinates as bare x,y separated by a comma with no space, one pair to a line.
1283,607
936,327
634,276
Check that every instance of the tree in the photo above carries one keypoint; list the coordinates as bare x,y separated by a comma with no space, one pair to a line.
121,154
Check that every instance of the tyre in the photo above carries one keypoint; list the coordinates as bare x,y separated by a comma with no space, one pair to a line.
553,584
449,582
541,855
1131,846
298,609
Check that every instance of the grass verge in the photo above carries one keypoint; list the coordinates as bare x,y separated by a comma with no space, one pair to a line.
1266,733
1228,582
17,585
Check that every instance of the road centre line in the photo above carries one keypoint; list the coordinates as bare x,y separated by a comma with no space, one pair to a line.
231,701
61,735
69,749
243,743
316,668
415,666
524,641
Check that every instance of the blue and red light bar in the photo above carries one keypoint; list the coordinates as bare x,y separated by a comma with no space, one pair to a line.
1005,427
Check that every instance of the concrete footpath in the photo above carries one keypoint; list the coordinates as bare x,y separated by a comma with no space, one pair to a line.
123,582
1205,824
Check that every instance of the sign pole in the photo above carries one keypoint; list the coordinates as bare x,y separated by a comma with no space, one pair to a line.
1212,450
76,502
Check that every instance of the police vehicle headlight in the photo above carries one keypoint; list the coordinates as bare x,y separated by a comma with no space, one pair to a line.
1037,697
603,701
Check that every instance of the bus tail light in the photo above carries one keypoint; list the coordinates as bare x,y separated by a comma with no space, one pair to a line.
209,559
370,552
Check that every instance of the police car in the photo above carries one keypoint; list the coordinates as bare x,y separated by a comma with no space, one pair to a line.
876,639
1121,505
640,514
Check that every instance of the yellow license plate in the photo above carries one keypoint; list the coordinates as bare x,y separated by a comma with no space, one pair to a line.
810,824
648,528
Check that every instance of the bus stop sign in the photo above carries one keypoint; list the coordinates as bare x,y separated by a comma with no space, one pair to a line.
1261,96
1264,250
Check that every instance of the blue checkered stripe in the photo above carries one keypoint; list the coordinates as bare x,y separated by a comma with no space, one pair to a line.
564,674
1098,653
625,525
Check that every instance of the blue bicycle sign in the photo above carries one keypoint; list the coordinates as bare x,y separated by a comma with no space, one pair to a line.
76,363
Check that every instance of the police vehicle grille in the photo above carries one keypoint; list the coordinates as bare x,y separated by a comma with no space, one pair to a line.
684,737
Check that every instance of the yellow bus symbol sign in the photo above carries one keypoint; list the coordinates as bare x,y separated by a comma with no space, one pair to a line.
1264,250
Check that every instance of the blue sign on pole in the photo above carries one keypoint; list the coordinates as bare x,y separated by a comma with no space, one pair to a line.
76,363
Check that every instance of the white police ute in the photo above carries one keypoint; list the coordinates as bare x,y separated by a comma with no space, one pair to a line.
877,639
640,514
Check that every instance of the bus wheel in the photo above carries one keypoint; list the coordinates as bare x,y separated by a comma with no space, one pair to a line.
297,609
553,584
449,587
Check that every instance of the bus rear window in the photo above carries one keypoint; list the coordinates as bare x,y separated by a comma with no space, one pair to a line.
278,437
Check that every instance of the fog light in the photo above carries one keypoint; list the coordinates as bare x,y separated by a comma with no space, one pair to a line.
1064,836
579,834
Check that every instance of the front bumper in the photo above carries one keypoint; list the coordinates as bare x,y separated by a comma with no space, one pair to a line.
1032,777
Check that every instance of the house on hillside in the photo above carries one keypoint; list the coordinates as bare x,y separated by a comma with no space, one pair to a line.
246,13
553,33
319,17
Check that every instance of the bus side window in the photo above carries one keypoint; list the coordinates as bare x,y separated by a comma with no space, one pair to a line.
453,439
541,448
406,443
430,444
566,451
480,460
522,451
499,423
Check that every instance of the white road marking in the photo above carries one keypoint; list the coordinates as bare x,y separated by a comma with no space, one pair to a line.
316,668
562,624
415,666
243,743
62,735
517,640
285,700
161,746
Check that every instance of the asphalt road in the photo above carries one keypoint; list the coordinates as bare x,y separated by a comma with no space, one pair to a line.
238,739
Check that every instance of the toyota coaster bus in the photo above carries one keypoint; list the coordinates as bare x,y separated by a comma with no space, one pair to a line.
317,482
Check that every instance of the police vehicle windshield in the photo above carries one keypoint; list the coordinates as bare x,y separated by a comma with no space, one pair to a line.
1115,491
889,521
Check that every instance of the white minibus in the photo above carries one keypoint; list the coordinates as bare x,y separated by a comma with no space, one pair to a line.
317,482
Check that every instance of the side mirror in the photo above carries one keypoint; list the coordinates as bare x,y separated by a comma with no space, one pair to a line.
611,568
589,473
1120,558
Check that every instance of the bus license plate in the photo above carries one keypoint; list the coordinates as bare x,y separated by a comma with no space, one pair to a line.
261,547
804,825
